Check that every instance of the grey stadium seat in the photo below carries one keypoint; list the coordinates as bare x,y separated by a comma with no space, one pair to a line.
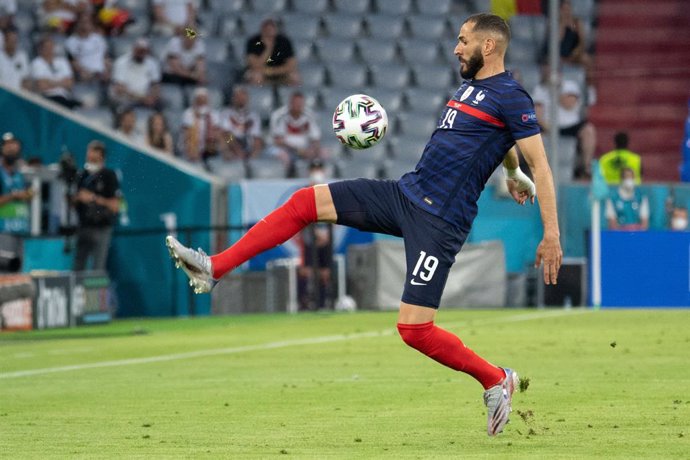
222,6
409,148
343,25
268,6
228,170
265,168
390,99
335,50
433,76
173,96
310,6
262,100
435,7
216,50
383,26
89,94
358,166
313,75
395,168
229,27
303,49
377,50
348,76
521,51
99,115
391,76
425,101
311,97
353,6
300,26
430,27
413,124
251,23
331,97
394,7
416,50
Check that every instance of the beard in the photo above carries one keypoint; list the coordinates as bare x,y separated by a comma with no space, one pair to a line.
472,66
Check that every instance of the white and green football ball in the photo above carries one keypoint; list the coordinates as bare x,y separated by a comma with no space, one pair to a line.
360,121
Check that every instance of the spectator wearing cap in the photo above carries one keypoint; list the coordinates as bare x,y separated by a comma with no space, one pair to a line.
8,8
173,16
571,122
88,51
97,202
136,78
52,75
14,193
185,60
14,62
270,57
201,131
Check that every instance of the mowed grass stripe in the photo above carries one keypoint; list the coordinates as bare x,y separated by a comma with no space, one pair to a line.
273,345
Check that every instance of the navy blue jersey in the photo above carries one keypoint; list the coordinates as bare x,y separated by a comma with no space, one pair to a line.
475,131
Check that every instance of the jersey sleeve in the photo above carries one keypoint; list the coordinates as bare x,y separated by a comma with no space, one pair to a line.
519,115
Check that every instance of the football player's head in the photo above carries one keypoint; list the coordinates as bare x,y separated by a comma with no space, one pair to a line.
482,36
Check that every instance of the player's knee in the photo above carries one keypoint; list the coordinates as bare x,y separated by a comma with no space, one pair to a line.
302,205
415,335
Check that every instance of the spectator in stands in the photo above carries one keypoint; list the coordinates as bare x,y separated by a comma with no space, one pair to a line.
88,51
201,132
241,127
679,219
97,202
572,37
157,134
52,75
136,78
173,16
127,125
14,63
8,8
613,162
571,122
59,15
111,18
315,273
14,192
185,60
627,208
271,58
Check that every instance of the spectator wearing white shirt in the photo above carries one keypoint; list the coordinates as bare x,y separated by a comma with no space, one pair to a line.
87,50
8,8
59,15
185,60
52,75
241,127
14,63
295,132
136,78
172,16
201,132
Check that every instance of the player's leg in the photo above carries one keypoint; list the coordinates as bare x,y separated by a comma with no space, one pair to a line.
304,207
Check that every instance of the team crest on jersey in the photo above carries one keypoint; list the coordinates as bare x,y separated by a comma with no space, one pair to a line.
467,93
479,97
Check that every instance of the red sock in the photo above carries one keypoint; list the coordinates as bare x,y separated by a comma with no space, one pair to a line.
274,229
446,348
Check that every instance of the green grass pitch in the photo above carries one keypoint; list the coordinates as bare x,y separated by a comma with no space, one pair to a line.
606,384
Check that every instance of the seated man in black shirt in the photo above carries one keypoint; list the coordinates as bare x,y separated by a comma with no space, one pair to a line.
270,58
97,202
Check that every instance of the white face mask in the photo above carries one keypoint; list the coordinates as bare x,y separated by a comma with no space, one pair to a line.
679,223
92,167
202,110
628,183
317,177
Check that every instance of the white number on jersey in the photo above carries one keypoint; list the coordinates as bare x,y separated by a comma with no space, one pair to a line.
449,119
430,263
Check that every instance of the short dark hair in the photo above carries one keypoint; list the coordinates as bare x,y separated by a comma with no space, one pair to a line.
97,145
620,140
487,22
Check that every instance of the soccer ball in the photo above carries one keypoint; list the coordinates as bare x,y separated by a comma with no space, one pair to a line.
360,121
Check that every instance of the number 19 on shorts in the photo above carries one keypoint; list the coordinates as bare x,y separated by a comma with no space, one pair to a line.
425,267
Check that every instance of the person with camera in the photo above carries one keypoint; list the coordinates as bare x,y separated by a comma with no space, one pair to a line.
97,202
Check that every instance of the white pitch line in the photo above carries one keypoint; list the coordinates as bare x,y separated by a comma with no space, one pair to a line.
269,346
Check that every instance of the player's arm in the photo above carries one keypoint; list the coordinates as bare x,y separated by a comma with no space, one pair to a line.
520,186
549,250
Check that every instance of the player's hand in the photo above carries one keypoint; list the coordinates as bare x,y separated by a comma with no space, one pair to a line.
522,189
549,252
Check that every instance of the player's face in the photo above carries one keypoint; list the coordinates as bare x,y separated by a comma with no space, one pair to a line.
469,51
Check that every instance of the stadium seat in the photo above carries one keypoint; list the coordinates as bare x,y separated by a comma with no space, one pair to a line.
335,50
583,9
174,119
228,170
429,27
347,26
262,100
220,75
121,44
353,6
425,101
89,94
313,75
435,7
347,76
137,8
414,124
409,148
433,76
229,27
99,115
301,26
385,27
527,74
391,76
265,168
139,27
390,99
268,6
395,168
173,96
394,7
377,51
417,50
251,23
575,73
310,6
521,51
222,7
216,50
331,97
311,97
448,51
358,166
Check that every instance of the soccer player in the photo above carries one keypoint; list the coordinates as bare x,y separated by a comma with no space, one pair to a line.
432,207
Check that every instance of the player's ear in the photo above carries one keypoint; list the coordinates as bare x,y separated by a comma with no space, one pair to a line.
489,46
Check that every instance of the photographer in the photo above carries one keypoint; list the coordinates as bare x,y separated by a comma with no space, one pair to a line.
97,202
